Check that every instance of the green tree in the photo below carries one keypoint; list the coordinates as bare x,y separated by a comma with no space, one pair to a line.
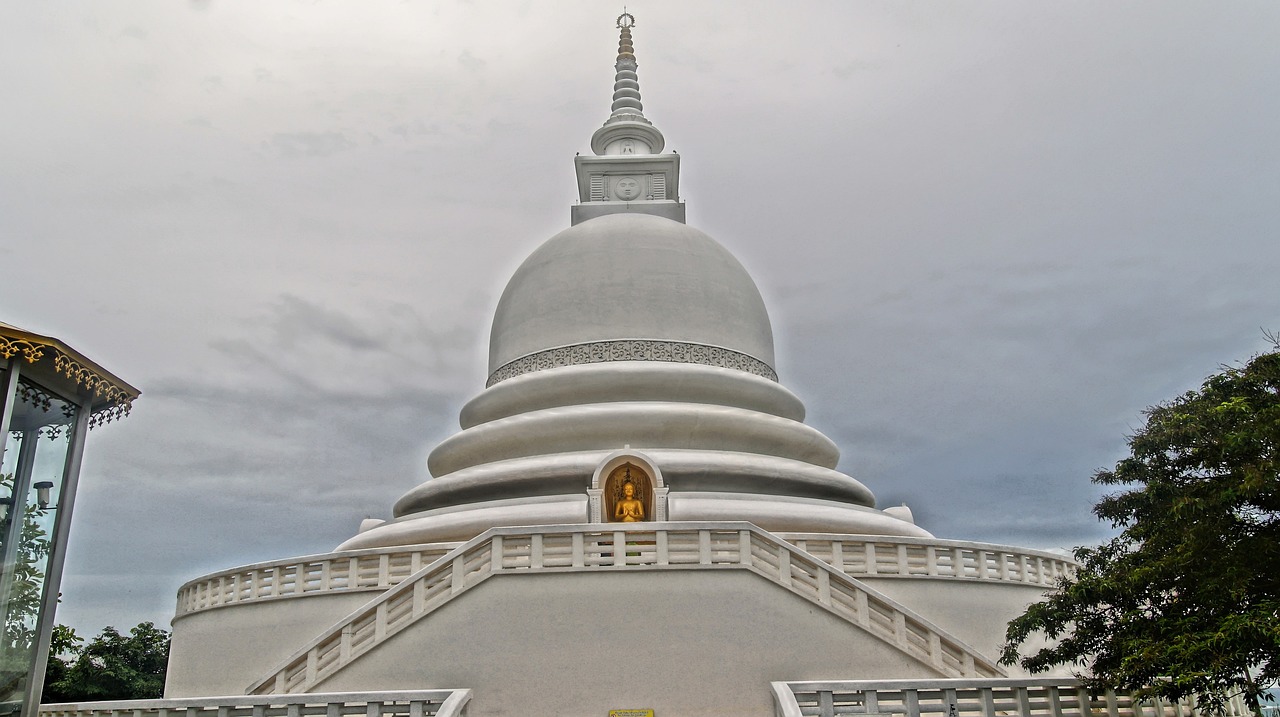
110,667
28,578
1186,599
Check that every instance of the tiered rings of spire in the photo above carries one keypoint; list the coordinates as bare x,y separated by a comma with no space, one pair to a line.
626,131
626,84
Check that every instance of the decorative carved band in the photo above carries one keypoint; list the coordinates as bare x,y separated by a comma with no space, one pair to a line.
632,350
119,401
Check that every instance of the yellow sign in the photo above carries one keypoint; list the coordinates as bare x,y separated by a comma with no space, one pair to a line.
630,713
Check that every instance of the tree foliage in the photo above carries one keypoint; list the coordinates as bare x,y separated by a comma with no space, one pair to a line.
1186,599
26,592
110,667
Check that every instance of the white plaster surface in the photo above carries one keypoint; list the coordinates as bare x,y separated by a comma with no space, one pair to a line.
642,424
974,611
221,651
679,642
630,276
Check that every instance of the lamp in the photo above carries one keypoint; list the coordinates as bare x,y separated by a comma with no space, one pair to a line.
42,493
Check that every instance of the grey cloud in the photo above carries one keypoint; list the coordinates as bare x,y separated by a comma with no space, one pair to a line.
470,61
310,144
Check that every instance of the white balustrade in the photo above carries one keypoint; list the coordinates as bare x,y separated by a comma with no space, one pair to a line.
369,570
380,568
973,698
642,547
888,557
406,703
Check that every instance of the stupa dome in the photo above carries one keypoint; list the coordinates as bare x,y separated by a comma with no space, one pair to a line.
630,276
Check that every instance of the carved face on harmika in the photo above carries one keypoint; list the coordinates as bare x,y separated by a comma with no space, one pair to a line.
627,188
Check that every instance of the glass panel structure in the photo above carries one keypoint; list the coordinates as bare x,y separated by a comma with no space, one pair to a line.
33,475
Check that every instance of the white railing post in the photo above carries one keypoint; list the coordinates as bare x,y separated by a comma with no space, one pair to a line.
497,559
662,549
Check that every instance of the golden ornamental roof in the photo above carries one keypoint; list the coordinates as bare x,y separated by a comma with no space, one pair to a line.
54,360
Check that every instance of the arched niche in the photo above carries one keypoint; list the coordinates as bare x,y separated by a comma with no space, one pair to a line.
614,471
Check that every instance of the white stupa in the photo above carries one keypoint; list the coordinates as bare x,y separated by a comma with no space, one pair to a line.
633,514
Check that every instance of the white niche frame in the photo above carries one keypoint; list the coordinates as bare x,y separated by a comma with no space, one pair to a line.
595,494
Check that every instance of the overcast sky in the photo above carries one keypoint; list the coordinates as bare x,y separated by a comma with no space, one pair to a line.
989,234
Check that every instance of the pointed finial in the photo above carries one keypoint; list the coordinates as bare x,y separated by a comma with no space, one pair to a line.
626,119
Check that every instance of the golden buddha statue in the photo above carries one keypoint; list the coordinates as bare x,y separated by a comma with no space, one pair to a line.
629,509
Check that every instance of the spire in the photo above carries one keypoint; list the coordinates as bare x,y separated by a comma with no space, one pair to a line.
626,84
629,173
626,131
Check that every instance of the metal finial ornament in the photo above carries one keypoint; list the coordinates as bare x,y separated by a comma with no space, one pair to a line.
626,19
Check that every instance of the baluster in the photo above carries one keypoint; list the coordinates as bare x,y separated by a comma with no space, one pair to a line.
1024,699
535,552
497,557
837,555
911,701
579,559
784,567
931,559
903,565
824,587
704,547
1082,697
870,550
458,577
826,704
619,547
1055,701
1113,710
344,644
419,596
744,547
988,702
663,548
871,701
380,622
384,570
